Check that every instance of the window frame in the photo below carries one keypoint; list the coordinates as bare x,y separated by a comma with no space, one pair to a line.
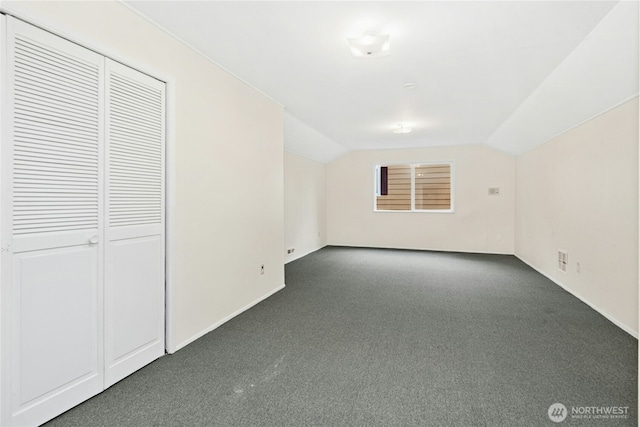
413,165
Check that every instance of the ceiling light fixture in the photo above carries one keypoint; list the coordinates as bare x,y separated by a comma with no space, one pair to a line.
369,45
402,129
410,86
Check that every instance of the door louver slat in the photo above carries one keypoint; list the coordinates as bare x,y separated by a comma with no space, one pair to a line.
135,152
55,169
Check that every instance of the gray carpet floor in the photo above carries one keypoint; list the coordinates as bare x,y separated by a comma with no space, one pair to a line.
376,337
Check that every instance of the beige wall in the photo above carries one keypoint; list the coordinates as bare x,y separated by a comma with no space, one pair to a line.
305,205
579,193
481,223
228,202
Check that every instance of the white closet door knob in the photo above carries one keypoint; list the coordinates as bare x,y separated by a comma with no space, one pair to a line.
93,240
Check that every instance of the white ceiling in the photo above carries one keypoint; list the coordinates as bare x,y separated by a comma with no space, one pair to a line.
478,66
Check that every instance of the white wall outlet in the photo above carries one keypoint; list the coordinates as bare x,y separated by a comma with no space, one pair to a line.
262,269
290,250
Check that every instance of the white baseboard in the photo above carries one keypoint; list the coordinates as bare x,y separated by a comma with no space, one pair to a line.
609,317
225,320
409,248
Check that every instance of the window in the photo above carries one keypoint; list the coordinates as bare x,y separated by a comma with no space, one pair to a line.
415,187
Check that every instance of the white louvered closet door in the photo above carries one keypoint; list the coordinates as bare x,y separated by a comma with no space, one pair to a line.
54,187
82,238
134,289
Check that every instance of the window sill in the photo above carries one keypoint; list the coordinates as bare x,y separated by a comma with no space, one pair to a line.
448,211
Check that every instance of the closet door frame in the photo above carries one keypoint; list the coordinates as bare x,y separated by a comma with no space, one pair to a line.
5,197
5,236
170,145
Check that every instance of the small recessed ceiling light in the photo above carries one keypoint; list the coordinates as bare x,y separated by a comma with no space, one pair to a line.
402,129
409,86
369,45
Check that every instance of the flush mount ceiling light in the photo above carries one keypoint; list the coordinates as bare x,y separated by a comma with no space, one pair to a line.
402,129
369,45
410,85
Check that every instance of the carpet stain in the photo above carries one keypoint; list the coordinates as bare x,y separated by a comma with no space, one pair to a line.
274,369
247,385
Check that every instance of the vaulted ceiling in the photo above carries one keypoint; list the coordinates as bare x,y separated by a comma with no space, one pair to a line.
510,74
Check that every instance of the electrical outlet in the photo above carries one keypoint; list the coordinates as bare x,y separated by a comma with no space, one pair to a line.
494,191
262,269
290,251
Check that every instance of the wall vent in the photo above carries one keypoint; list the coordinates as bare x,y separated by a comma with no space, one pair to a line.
563,260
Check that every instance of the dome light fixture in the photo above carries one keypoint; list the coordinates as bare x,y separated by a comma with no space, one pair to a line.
369,45
402,129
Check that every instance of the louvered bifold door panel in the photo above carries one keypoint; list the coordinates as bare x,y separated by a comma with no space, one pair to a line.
53,156
134,281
